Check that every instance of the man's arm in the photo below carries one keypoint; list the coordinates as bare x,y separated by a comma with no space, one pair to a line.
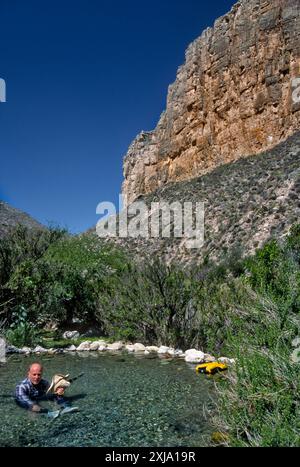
23,399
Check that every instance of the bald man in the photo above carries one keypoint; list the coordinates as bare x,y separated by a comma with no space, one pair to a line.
32,388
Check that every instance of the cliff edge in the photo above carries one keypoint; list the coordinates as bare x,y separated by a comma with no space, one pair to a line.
232,98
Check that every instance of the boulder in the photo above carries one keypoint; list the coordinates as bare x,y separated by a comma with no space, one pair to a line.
71,335
163,349
12,349
115,346
139,347
94,346
179,353
39,349
84,346
152,348
194,356
228,361
209,358
71,348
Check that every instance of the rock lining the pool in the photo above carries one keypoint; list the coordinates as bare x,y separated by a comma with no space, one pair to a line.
190,355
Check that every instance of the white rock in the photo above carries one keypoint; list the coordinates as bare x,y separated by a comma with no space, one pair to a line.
229,361
101,342
39,349
163,349
296,342
94,346
152,348
71,348
209,358
115,346
84,346
129,347
101,348
194,356
171,352
71,335
26,350
139,347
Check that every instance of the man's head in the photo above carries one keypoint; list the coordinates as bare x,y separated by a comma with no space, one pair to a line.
35,372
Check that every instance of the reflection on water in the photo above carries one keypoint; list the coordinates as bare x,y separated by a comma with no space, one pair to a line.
124,400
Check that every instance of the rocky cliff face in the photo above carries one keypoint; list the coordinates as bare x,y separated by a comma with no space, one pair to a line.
246,203
231,98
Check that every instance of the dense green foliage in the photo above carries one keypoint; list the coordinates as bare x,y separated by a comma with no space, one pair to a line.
53,276
247,309
152,303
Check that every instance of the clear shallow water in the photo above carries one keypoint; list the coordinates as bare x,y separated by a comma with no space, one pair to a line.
124,400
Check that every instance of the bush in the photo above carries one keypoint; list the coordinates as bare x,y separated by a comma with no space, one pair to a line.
152,303
57,277
22,333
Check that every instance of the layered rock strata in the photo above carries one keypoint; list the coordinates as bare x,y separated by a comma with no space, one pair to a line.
236,95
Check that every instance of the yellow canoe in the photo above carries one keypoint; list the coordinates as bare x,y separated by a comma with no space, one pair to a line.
211,368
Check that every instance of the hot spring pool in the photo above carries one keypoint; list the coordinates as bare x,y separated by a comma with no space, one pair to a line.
124,400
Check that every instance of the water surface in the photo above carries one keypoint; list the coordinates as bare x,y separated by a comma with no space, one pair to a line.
124,400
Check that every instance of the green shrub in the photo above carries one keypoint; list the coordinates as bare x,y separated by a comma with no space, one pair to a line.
152,303
22,333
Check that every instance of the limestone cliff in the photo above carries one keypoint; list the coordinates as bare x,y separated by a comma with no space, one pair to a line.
231,98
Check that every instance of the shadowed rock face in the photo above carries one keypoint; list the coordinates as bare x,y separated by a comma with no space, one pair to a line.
231,98
10,217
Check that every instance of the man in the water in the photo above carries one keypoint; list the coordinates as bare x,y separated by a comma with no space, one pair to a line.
33,388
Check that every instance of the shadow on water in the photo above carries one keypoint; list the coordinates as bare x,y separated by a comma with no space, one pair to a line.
76,397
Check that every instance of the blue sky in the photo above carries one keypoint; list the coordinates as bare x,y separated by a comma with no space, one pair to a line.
83,79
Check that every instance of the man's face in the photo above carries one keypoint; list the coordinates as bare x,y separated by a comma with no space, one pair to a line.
35,373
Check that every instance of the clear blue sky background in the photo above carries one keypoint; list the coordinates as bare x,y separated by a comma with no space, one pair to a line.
83,79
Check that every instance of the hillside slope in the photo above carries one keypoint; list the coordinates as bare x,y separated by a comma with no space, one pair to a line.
246,203
10,217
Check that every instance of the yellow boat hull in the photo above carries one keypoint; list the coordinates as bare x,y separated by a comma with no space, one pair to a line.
211,368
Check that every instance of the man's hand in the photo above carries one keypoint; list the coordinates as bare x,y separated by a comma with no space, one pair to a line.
36,408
